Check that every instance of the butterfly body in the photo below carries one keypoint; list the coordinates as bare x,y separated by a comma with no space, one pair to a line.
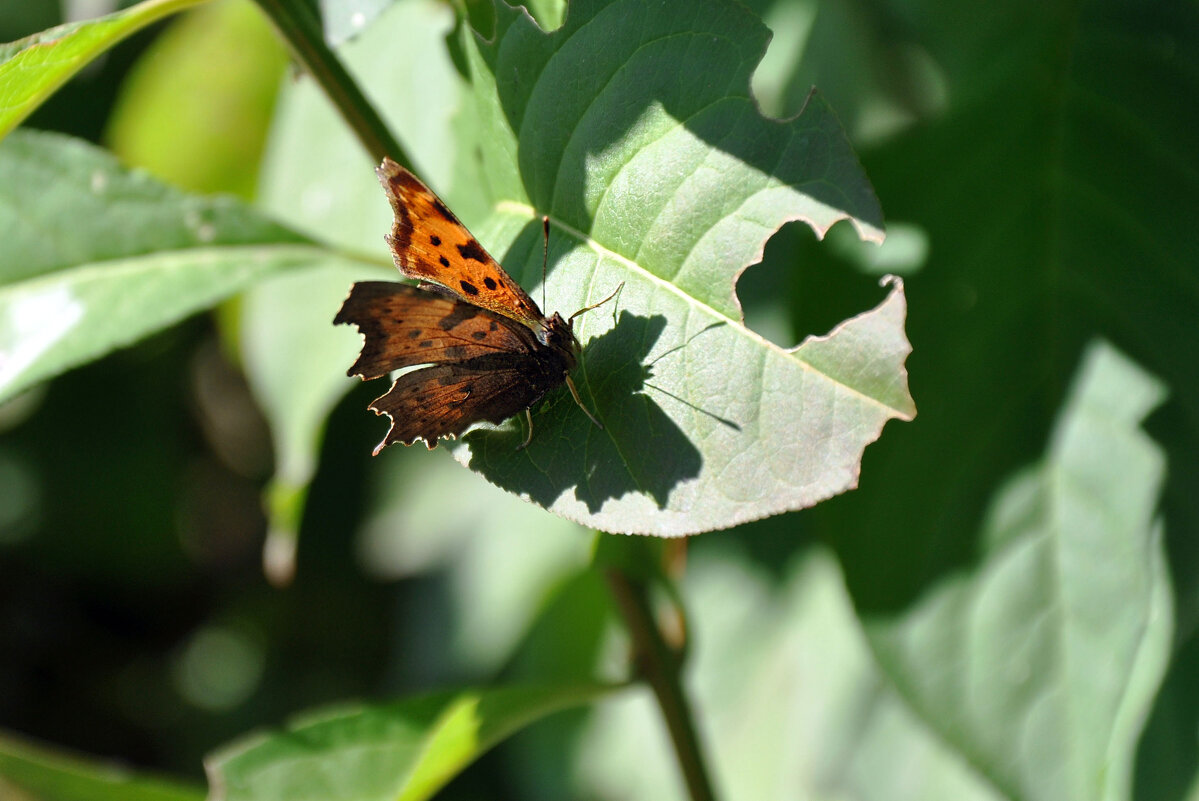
488,351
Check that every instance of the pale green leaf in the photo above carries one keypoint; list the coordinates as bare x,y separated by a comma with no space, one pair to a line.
1041,664
793,704
195,108
97,257
1027,677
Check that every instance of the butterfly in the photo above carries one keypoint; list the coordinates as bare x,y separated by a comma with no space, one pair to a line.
488,351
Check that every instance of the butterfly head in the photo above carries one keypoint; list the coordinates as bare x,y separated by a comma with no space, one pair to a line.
558,334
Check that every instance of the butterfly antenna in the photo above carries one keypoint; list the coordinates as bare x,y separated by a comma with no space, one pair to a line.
616,292
545,258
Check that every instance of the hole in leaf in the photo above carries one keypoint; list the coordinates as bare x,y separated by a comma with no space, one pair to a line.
805,287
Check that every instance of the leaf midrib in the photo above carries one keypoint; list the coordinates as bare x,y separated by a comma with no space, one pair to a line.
175,258
792,355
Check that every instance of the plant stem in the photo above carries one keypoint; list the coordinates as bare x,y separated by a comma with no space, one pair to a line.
299,27
661,666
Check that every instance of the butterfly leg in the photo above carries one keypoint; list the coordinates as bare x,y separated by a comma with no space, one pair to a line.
529,438
578,400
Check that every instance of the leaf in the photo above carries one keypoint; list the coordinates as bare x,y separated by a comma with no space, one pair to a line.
871,70
38,774
97,257
195,107
33,68
672,188
1041,664
496,556
405,750
279,316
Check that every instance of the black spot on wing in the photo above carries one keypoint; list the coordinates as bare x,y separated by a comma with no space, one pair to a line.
444,261
489,282
473,250
469,288
436,240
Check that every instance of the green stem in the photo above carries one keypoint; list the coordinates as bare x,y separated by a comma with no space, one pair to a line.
299,27
661,666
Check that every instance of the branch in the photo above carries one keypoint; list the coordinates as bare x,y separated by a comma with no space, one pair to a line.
661,666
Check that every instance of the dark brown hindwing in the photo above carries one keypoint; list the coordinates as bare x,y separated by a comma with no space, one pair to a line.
404,326
484,366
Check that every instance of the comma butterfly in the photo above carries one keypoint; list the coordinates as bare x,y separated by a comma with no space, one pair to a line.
490,352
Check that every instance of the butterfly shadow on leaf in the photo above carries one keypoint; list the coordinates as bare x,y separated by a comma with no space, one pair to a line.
640,450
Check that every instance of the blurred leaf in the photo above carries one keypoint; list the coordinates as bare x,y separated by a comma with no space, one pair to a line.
1041,665
501,556
405,750
1027,677
276,316
576,636
566,638
793,704
31,773
317,178
195,108
1055,193
863,58
97,257
549,14
31,69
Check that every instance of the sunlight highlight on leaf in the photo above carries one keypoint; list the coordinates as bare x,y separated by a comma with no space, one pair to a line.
96,256
30,324
405,750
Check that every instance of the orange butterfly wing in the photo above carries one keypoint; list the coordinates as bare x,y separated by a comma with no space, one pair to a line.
489,351
430,244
